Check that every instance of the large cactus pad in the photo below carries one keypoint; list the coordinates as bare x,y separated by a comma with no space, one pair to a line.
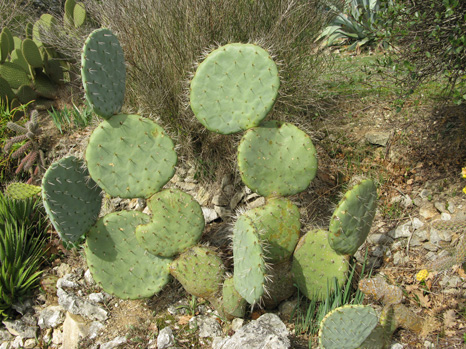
347,327
248,256
177,223
103,72
315,264
200,270
278,223
352,219
71,198
118,263
277,159
130,156
234,88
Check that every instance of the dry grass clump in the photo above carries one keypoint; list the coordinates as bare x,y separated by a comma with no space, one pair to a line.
163,39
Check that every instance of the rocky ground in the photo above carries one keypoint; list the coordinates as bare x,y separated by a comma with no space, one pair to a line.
416,158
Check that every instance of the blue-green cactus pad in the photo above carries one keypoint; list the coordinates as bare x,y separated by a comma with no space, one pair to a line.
177,223
103,72
130,156
315,265
200,270
248,257
277,159
71,198
234,88
278,224
352,219
347,327
118,263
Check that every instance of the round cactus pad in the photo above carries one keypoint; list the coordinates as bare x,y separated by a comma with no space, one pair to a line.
200,270
347,327
315,265
177,223
277,159
234,88
352,219
103,72
233,303
118,263
130,156
22,191
71,198
248,256
277,223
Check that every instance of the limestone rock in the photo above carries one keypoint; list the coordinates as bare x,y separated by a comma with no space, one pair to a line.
165,339
207,325
114,343
377,137
79,306
267,332
24,327
51,317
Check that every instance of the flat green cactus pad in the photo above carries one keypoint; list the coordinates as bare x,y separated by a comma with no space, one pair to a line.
347,327
248,256
118,263
130,156
315,264
71,198
233,304
200,270
177,223
22,191
234,88
277,223
103,72
352,219
277,159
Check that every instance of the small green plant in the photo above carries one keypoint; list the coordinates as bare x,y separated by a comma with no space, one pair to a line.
76,117
22,247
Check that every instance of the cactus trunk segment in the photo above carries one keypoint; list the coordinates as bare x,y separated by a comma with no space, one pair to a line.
200,270
72,199
277,223
177,223
315,264
118,263
347,327
234,88
249,265
130,156
22,191
352,219
103,72
277,159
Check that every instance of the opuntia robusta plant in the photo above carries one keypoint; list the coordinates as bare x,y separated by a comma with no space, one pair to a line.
132,255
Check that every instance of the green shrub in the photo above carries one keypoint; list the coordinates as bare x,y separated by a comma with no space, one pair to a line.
429,42
163,39
22,247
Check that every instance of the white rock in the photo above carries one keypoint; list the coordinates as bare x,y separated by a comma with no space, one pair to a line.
417,223
51,317
207,325
165,339
96,297
18,342
401,231
210,214
57,337
445,216
29,343
114,343
237,323
88,278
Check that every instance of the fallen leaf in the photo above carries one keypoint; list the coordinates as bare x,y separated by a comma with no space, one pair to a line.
461,273
184,319
449,318
424,300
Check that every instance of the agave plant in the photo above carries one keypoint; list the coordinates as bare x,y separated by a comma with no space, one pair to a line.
357,25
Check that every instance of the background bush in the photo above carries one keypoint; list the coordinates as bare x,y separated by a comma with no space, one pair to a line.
163,39
429,40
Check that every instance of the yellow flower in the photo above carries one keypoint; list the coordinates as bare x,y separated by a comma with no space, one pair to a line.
464,190
463,172
422,275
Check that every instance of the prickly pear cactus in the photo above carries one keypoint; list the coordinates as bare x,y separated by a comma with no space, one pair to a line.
249,263
103,72
277,223
118,263
130,156
71,198
200,270
347,327
315,264
232,302
177,223
277,159
352,219
22,191
234,88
